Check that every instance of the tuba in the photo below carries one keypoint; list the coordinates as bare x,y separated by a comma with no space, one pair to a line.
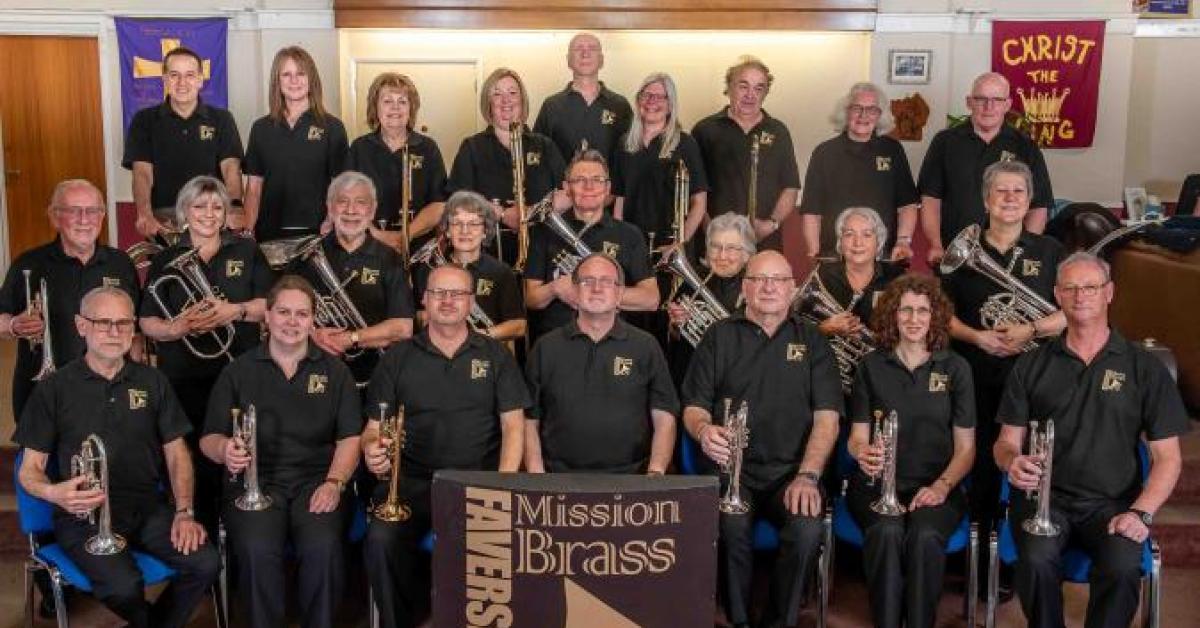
432,255
392,510
703,308
887,432
195,286
848,351
246,428
92,463
40,304
1041,443
565,261
738,436
517,147
1017,306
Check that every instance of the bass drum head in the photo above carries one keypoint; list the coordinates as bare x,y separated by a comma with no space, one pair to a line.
1080,225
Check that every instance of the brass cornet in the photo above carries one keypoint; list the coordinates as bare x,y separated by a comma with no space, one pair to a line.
39,304
246,428
392,509
189,275
92,463
887,432
1041,443
738,436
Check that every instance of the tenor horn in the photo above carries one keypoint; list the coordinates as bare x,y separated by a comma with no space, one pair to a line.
848,351
702,307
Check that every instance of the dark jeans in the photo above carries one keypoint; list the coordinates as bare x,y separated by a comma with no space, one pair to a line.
396,566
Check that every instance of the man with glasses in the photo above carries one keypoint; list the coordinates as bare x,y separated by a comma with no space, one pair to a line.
953,168
784,370
1104,394
176,140
463,400
550,293
603,401
585,114
133,410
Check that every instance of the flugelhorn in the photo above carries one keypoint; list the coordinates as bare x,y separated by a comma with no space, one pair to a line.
392,509
887,432
1041,443
848,351
516,145
92,463
189,276
246,428
567,259
702,306
737,435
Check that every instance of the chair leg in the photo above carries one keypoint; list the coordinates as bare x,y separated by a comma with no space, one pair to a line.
223,578
825,565
29,608
218,611
972,570
1151,606
372,610
993,583
60,603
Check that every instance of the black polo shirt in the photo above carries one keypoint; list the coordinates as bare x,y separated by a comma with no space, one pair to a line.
930,401
452,405
375,280
496,289
238,272
134,414
726,151
844,173
619,240
783,378
1100,410
569,120
300,420
371,156
833,277
180,148
296,164
67,280
1036,266
953,172
728,290
647,183
484,165
593,399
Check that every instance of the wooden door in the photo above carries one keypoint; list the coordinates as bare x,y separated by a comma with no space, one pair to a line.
50,112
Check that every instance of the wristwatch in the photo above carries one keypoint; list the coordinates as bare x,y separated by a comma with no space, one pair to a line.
1146,517
354,338
811,476
191,512
340,484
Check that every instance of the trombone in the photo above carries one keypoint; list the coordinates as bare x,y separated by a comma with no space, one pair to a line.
406,178
752,189
517,148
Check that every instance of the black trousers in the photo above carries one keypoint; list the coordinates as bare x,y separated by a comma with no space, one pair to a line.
262,541
904,557
116,580
396,567
193,393
799,542
1115,576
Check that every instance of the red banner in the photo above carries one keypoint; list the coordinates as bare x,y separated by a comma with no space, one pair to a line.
1054,69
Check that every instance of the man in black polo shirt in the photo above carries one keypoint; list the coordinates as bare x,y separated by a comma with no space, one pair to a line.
953,168
602,393
308,422
132,409
726,138
585,114
784,370
370,272
1104,393
172,142
71,265
550,293
463,398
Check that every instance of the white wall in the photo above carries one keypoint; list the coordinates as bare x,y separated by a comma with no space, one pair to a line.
1164,141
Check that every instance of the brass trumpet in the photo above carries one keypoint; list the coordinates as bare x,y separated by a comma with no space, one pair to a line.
92,463
392,509
246,428
189,275
887,432
738,437
1041,443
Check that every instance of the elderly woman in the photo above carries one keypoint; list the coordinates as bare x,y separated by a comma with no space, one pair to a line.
484,162
915,375
467,222
860,167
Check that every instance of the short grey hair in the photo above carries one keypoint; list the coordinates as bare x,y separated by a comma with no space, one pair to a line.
88,303
841,117
605,257
737,223
1006,167
349,179
66,185
202,185
468,202
1083,257
881,230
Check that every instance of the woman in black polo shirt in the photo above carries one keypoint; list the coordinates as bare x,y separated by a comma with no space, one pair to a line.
293,153
929,388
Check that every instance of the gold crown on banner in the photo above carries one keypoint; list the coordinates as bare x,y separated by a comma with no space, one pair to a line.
1044,106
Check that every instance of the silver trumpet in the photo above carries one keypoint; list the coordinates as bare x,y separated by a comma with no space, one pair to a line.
702,306
738,436
432,255
92,463
566,260
40,304
1041,443
189,276
848,351
887,431
1018,305
246,428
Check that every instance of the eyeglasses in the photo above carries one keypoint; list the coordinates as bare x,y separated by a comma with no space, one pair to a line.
768,280
651,97
470,225
984,101
720,249
597,282
105,325
586,181
871,111
1085,290
447,294
77,212
910,311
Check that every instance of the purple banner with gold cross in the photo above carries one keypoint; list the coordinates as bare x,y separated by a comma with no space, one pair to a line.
142,44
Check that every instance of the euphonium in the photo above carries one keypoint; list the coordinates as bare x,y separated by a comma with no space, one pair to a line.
246,428
196,287
702,307
752,189
738,436
40,304
1018,305
565,261
431,254
1041,443
406,179
848,351
517,148
392,428
92,462
887,431
335,309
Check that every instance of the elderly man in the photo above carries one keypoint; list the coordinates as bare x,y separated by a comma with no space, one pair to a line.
133,411
1104,394
585,114
550,293
784,371
953,168
603,401
463,399
176,140
726,141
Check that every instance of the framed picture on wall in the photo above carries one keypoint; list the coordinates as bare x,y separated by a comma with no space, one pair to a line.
1163,8
909,66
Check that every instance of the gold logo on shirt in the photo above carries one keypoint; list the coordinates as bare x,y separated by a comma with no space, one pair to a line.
796,351
532,158
317,383
483,287
1112,381
315,133
369,276
479,369
611,249
233,267
137,399
111,282
607,117
883,164
207,132
416,161
1006,156
622,367
1031,267
938,381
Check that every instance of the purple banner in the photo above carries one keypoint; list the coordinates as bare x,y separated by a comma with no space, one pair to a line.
142,43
